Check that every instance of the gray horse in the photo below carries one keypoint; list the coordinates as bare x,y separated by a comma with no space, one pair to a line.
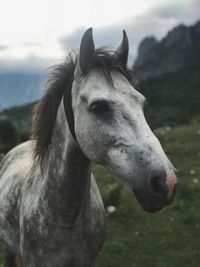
51,212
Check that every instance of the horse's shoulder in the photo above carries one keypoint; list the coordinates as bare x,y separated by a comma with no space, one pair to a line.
23,148
20,156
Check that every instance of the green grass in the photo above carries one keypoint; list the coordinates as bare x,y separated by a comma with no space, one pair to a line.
169,238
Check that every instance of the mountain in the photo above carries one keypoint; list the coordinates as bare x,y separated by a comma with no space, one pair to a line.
17,89
178,50
168,72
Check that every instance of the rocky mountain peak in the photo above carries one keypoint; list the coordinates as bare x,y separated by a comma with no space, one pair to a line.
180,35
145,47
179,49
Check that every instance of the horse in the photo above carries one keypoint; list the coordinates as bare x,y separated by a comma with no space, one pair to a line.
51,211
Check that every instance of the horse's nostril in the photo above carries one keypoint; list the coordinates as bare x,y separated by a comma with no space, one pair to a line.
158,186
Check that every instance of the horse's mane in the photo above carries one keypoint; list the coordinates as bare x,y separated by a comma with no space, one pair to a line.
61,79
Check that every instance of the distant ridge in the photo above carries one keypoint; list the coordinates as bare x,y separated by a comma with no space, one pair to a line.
17,89
179,49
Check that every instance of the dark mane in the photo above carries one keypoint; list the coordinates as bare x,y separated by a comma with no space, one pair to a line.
45,111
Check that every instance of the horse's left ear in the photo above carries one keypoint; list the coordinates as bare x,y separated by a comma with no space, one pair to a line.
122,51
87,51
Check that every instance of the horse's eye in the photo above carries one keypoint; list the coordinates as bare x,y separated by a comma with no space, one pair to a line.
99,106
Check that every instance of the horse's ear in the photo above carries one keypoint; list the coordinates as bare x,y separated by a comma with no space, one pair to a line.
122,51
87,51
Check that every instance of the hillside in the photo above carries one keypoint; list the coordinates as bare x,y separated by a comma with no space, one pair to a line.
172,99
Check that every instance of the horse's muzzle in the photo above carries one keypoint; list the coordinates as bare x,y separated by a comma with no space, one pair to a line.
158,194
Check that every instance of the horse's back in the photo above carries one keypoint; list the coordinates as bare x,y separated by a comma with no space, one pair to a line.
14,169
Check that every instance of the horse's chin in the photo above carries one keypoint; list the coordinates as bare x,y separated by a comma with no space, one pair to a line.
146,205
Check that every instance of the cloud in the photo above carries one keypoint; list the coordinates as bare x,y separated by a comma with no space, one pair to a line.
31,44
27,65
4,47
186,13
26,57
157,21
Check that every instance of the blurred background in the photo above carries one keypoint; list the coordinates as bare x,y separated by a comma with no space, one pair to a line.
164,41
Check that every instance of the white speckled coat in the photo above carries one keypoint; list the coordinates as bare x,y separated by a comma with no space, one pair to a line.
51,219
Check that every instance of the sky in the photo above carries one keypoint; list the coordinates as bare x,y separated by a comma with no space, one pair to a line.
35,34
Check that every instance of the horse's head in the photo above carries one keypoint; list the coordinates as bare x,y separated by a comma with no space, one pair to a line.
111,129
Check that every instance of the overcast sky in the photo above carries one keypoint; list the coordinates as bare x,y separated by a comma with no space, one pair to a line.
39,33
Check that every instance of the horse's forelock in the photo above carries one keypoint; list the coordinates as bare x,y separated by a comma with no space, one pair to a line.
106,62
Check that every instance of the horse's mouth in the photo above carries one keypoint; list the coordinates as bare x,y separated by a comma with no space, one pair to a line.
151,206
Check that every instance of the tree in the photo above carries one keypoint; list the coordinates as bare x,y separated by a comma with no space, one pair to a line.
8,135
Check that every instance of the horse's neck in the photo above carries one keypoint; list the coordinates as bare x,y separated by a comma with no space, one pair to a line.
67,172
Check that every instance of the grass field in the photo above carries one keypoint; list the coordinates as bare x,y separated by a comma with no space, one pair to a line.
169,238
